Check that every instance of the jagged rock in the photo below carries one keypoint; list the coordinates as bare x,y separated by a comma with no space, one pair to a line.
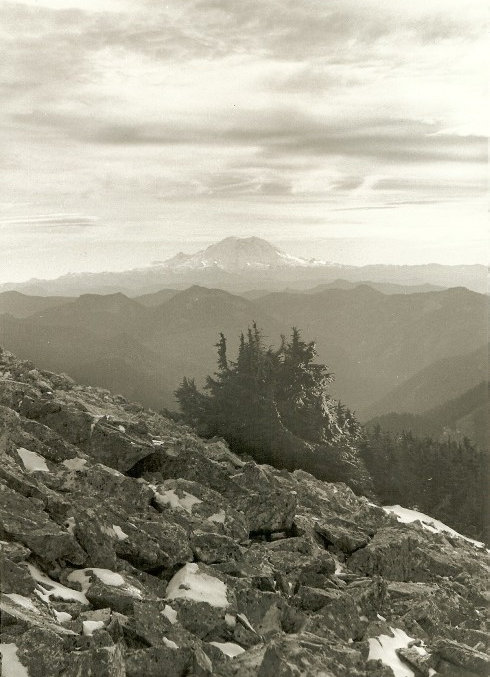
107,661
420,664
197,507
115,448
266,505
467,660
308,655
14,577
340,616
23,519
400,556
169,661
212,548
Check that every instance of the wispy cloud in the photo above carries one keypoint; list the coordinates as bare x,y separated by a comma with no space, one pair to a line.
49,222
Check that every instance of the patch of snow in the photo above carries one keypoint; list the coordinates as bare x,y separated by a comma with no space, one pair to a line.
218,517
191,583
121,428
62,616
89,627
11,665
32,462
75,463
112,471
170,613
95,420
381,618
245,622
407,516
82,576
70,525
384,648
170,644
22,601
338,565
120,535
230,620
106,576
157,443
170,498
229,648
47,588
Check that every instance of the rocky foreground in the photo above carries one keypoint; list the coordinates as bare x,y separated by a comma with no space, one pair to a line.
130,546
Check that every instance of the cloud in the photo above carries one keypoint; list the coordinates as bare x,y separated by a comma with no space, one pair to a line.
49,222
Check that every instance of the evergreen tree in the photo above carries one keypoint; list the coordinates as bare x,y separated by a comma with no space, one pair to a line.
274,404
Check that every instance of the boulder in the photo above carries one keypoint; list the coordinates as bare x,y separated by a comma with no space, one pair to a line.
467,660
23,519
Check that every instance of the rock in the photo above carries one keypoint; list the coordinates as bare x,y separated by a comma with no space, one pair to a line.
42,651
111,447
341,533
467,660
267,506
403,555
340,616
15,577
420,664
24,520
108,661
307,655
212,548
168,661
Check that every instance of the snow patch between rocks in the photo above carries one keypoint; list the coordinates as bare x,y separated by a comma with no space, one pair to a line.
384,648
32,462
170,644
75,463
407,515
191,583
22,601
89,627
106,576
229,648
11,665
50,588
120,535
62,616
170,498
218,517
170,614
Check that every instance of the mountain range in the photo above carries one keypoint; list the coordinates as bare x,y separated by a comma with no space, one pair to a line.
239,264
391,352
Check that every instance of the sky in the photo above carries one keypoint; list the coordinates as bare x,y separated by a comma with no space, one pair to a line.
343,130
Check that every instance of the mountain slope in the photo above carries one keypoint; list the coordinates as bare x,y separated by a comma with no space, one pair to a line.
430,387
130,546
375,343
22,305
373,340
463,416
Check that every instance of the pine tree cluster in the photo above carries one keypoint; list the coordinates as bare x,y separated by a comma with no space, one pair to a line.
273,403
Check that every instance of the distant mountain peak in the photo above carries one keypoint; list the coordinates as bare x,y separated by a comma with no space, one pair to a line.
238,254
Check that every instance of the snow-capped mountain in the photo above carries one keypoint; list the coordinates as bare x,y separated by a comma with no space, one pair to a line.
235,254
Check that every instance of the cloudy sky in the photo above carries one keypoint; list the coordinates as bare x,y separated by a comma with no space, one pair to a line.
347,130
